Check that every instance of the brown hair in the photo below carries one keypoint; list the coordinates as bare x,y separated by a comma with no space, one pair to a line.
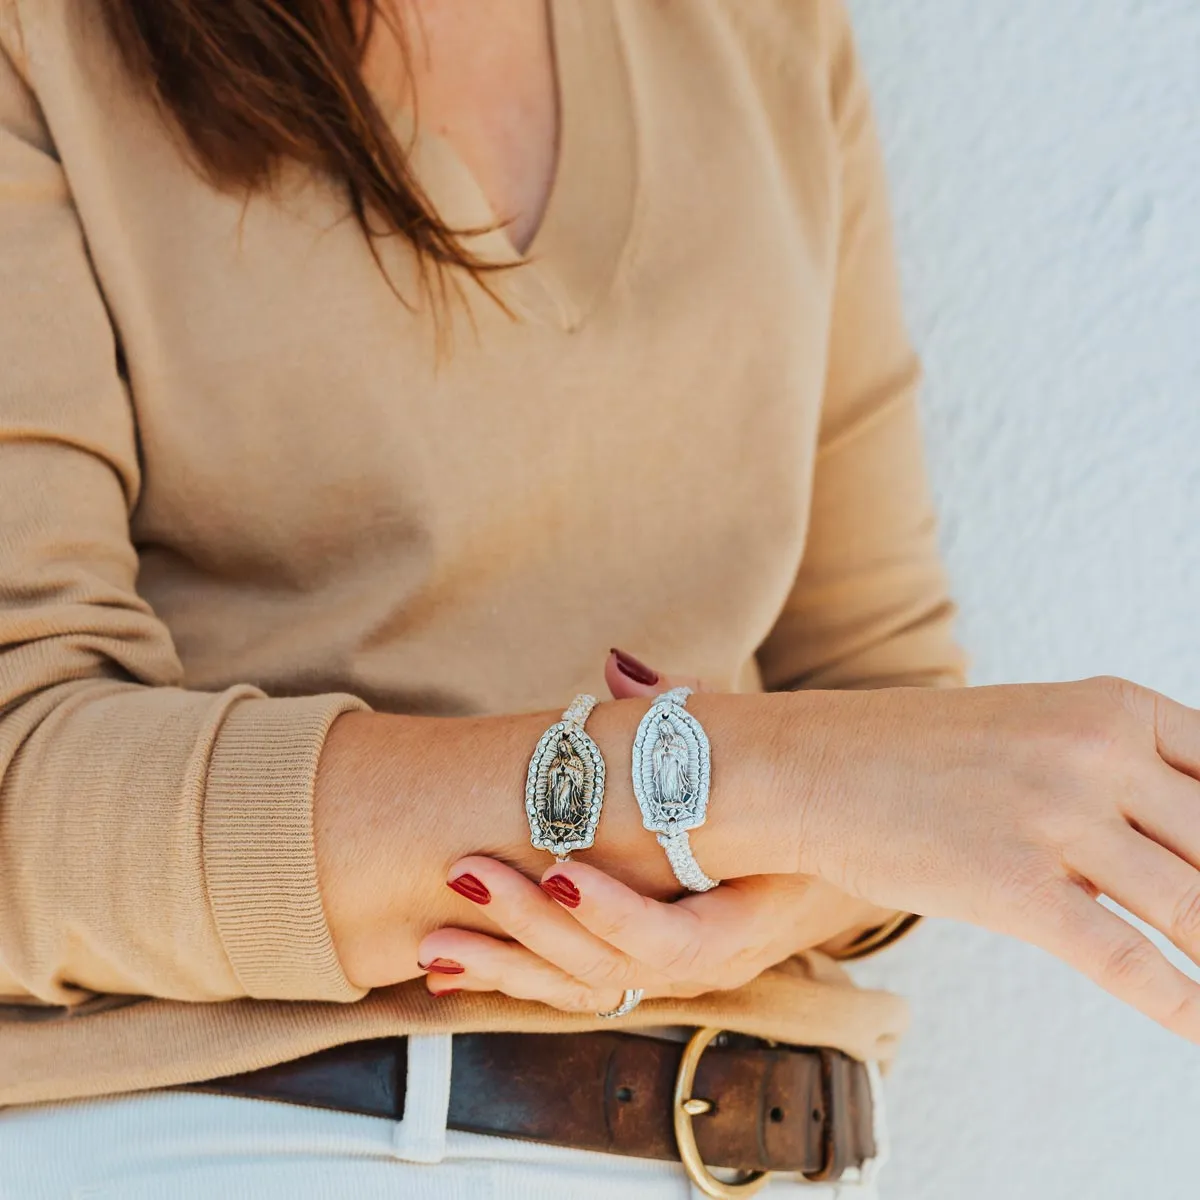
251,82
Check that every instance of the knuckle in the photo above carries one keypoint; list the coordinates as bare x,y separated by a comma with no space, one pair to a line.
1083,713
1112,685
1097,742
1184,1017
1089,753
751,955
735,973
684,959
519,923
608,971
1132,964
613,927
1029,884
1106,720
581,999
1185,922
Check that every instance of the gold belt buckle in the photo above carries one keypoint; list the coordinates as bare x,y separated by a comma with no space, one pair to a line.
685,1108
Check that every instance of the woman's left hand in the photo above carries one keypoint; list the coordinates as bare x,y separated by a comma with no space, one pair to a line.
580,939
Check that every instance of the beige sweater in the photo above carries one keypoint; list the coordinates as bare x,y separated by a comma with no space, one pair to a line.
240,495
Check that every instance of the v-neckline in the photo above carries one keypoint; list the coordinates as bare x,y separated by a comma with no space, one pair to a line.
576,250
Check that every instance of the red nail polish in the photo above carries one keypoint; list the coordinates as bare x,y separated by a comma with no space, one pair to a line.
469,886
447,992
560,888
632,669
442,966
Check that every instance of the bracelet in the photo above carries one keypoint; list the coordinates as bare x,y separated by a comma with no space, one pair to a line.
877,938
564,790
671,771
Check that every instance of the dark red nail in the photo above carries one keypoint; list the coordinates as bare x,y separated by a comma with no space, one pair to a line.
442,966
469,886
632,669
447,992
560,888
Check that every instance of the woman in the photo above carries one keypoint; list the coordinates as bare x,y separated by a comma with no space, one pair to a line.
368,373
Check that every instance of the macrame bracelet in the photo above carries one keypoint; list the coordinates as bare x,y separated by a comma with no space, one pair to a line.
671,772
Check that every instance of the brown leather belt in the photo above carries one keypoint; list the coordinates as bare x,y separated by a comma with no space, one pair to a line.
751,1105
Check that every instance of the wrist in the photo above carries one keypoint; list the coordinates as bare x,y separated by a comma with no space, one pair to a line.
813,760
773,760
753,827
750,825
397,800
624,848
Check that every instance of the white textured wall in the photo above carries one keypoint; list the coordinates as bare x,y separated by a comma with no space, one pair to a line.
1045,160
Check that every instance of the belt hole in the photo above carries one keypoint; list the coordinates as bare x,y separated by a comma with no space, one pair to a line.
818,1115
624,1094
777,1115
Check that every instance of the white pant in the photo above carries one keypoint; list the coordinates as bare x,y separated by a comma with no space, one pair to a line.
174,1145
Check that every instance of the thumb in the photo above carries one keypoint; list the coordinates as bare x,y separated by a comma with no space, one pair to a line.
627,677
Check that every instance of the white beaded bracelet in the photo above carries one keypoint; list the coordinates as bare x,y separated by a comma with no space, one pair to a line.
671,773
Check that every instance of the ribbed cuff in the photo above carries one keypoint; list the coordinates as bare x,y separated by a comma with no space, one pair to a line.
259,858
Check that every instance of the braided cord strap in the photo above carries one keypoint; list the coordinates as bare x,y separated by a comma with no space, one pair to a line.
683,862
671,776
579,710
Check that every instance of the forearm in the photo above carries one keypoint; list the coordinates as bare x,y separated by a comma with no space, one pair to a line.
399,799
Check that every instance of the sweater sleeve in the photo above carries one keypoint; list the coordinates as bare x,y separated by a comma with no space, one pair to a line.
153,840
870,606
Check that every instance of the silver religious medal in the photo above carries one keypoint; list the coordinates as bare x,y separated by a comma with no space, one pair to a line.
564,790
671,774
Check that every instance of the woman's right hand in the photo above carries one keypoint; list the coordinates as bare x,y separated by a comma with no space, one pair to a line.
1013,807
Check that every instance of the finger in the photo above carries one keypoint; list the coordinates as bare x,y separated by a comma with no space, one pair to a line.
1169,812
1150,882
528,915
626,677
488,964
703,938
1112,953
1176,726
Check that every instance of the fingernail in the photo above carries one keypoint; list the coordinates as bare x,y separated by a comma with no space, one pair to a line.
632,669
560,888
442,966
447,992
469,886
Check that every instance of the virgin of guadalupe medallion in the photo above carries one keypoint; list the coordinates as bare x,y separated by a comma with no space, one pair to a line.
567,777
671,767
564,790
